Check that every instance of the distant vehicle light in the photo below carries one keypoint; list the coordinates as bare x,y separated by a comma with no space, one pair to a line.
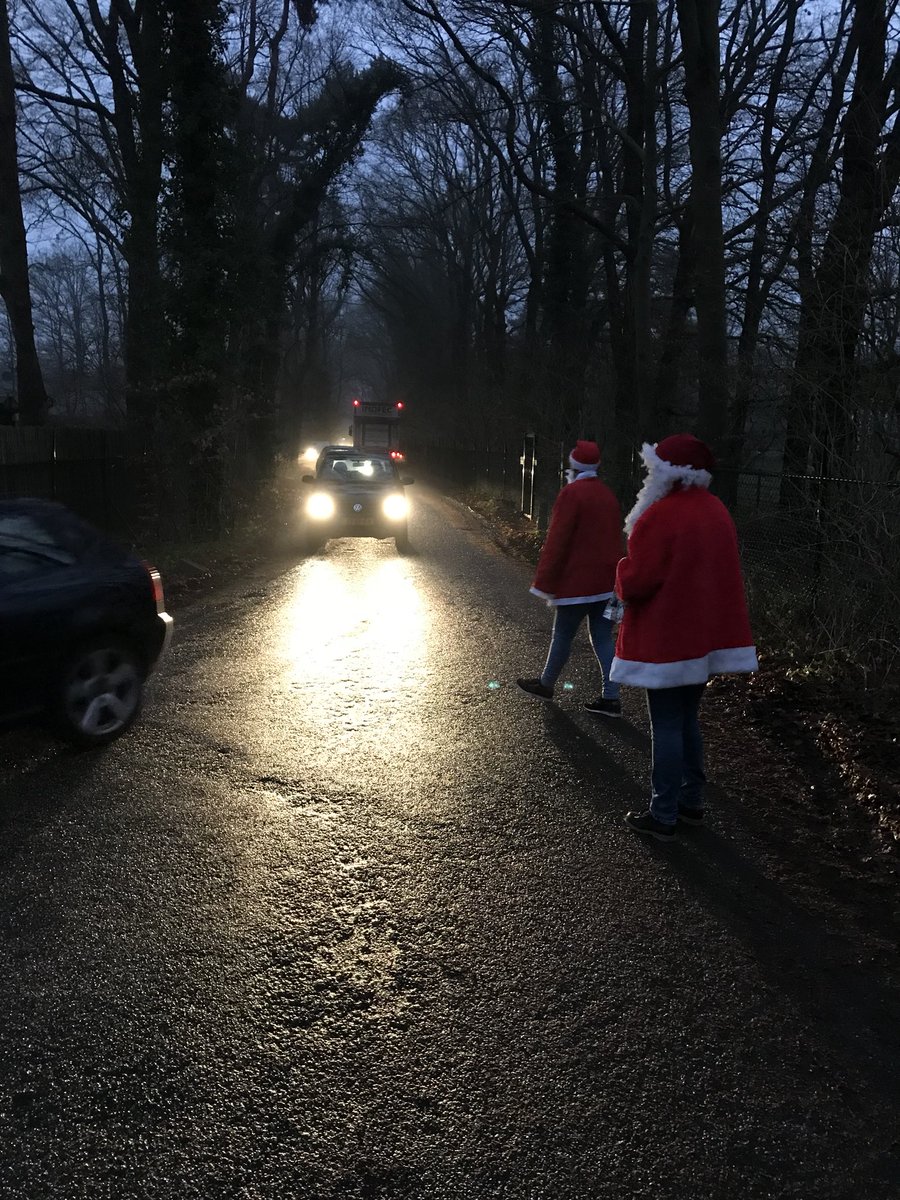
366,469
397,455
356,404
399,403
396,508
320,506
310,454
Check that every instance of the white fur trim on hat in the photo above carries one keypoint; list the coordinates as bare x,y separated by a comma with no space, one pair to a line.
661,478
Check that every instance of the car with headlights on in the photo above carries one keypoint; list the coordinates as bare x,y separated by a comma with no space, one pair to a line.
355,493
82,623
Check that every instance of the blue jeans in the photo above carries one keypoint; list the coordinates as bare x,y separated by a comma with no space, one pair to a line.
677,776
566,620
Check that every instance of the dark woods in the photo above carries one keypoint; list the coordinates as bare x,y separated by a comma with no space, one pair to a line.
558,218
625,219
193,161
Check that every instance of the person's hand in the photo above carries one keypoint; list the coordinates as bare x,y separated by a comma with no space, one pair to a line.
615,610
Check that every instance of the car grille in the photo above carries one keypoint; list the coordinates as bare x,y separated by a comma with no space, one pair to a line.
361,510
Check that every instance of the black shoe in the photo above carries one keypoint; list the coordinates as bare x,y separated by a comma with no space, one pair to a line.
645,823
535,688
691,816
603,708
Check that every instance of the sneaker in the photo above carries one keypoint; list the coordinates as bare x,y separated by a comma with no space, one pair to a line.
644,822
691,816
603,708
535,688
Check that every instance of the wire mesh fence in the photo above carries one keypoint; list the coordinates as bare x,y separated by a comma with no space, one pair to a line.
821,555
525,473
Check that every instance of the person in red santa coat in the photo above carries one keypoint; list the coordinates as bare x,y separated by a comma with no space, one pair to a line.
576,572
685,619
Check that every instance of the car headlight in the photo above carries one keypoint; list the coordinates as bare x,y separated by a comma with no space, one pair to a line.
320,506
396,508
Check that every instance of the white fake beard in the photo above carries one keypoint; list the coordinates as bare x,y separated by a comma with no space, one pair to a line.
655,487
661,478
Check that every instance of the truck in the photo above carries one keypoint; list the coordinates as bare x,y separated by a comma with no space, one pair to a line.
376,427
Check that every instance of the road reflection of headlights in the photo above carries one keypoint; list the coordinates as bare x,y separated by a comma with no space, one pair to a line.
320,506
396,508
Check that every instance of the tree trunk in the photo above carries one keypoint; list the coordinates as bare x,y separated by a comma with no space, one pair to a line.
145,342
567,276
699,26
668,372
14,284
639,160
200,302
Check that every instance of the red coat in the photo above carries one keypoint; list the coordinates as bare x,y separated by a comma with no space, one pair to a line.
685,608
583,545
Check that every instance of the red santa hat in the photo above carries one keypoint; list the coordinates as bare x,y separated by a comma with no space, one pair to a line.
680,459
685,451
585,456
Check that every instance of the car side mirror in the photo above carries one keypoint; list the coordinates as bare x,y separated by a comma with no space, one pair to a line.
307,479
406,480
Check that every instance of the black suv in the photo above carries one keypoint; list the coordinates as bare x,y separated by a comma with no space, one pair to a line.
82,622
355,493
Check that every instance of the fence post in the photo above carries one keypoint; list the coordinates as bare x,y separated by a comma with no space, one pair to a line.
529,457
104,476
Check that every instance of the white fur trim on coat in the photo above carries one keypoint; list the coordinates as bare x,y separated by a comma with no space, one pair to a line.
555,602
738,660
573,473
582,599
661,478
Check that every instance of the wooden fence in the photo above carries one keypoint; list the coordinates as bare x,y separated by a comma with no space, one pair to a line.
89,470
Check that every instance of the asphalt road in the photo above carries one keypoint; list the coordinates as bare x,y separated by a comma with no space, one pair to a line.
340,918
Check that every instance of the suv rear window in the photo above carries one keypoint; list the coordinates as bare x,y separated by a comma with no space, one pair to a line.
28,541
27,547
24,528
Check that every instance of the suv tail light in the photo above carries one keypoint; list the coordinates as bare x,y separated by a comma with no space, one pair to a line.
156,584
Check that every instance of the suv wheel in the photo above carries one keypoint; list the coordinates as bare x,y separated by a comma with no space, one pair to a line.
100,690
401,540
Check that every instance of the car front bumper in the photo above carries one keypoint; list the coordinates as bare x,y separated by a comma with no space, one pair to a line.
325,530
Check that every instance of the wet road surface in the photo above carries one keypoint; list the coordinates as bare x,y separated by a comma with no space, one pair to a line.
340,919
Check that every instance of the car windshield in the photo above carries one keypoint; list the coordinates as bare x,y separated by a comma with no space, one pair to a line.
360,469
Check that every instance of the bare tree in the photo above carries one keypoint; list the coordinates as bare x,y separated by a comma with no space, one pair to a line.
820,430
98,87
14,283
